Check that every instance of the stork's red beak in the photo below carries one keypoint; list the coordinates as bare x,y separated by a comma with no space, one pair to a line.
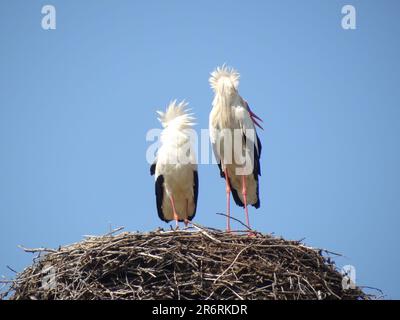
254,117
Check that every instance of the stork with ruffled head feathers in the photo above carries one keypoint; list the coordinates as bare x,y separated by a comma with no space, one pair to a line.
231,113
175,168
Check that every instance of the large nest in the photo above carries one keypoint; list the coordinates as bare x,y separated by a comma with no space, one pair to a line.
196,263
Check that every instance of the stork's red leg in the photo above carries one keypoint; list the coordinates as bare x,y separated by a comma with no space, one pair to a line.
173,209
186,220
228,202
244,192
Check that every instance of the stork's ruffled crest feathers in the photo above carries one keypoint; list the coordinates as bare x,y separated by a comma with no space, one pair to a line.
176,113
223,76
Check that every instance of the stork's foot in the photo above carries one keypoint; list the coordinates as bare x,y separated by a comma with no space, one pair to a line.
174,228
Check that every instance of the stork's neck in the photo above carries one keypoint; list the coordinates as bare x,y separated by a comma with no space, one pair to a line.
223,104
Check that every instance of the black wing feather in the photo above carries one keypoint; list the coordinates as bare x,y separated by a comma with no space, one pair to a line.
235,196
195,192
257,169
153,169
221,173
159,196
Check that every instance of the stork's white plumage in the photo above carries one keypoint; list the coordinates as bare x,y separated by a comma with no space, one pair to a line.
231,113
175,168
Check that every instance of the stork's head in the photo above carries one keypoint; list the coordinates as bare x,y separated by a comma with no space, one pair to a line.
176,115
224,81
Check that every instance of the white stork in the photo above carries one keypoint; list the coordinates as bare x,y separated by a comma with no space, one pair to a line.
230,113
175,168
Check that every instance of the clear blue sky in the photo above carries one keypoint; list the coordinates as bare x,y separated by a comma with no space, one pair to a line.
76,103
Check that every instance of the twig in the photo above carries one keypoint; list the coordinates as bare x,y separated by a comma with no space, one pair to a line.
34,250
198,227
237,220
230,266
